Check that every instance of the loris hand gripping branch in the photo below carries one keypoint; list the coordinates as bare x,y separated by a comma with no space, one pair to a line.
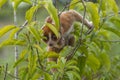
67,18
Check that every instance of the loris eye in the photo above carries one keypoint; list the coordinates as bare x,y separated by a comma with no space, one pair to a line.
46,39
54,37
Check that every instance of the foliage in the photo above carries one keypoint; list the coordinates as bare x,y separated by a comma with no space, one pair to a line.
91,61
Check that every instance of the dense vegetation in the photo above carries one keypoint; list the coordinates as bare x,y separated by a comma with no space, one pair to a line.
94,58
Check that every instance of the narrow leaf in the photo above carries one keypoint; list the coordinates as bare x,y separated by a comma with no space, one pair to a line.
93,10
93,62
12,34
53,13
55,31
30,13
18,62
11,42
6,29
34,32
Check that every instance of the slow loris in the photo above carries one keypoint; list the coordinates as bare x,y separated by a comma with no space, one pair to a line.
67,18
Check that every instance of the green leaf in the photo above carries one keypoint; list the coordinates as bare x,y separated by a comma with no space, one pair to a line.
52,12
18,62
73,68
71,62
12,34
34,32
16,3
55,31
93,10
52,54
70,76
30,13
111,29
23,53
112,5
2,2
11,42
73,4
75,74
38,47
105,61
47,76
93,62
81,63
6,29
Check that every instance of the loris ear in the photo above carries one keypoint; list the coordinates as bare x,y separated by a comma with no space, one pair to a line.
48,19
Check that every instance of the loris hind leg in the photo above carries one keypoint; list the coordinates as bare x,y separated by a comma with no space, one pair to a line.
71,40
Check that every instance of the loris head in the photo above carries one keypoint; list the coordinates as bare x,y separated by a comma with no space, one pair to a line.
53,43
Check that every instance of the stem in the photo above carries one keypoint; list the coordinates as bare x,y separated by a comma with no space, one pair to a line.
6,71
72,53
16,48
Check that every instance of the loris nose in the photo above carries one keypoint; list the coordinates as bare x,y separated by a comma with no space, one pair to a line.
50,44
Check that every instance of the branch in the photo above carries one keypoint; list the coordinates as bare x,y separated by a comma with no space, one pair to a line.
6,71
79,42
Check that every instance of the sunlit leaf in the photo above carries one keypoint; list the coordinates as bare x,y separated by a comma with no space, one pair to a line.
73,3
6,29
18,62
12,34
53,29
38,47
47,76
34,32
16,3
112,5
23,53
93,10
12,42
52,12
30,13
52,54
2,2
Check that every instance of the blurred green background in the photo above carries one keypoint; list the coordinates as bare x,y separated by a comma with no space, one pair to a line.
6,18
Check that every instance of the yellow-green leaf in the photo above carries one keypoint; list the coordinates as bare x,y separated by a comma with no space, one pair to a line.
2,2
55,31
11,42
53,13
38,47
30,13
6,29
52,54
13,32
16,3
93,62
34,32
93,10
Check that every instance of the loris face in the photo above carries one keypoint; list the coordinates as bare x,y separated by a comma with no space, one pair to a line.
53,43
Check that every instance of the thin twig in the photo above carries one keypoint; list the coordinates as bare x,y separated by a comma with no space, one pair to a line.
39,61
68,5
16,48
11,75
100,6
113,41
6,68
72,53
